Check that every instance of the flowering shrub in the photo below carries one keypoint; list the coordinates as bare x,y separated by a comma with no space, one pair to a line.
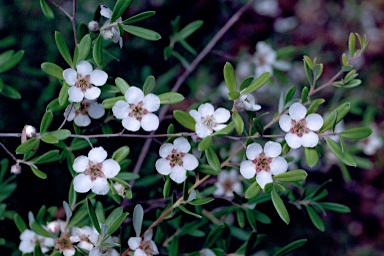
208,175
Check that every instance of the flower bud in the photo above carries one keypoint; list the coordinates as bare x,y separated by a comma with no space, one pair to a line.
28,132
53,227
120,189
107,34
16,169
93,25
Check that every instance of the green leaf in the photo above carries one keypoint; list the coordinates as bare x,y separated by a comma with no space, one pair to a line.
294,175
46,121
122,85
149,85
10,92
119,9
341,111
185,119
214,236
226,130
63,94
352,44
109,103
230,77
48,138
121,153
279,206
128,176
187,46
304,95
113,216
39,229
20,224
290,247
11,61
85,46
259,82
314,106
97,52
335,207
170,98
311,156
27,146
92,216
251,219
117,223
345,157
289,94
53,70
261,217
61,134
309,62
212,159
142,32
50,156
308,73
315,218
356,133
240,217
233,95
205,143
63,48
139,17
38,173
201,201
167,187
188,30
246,82
238,121
47,11
138,215
189,212
253,190
318,70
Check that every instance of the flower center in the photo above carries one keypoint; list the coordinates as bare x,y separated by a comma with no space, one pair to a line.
299,128
94,171
83,108
228,185
83,82
208,121
176,158
138,111
262,163
146,247
63,242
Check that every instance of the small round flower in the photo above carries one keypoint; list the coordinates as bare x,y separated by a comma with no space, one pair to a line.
16,169
83,82
175,160
87,109
111,32
301,129
246,102
143,247
263,164
94,171
29,239
137,110
86,238
227,183
208,119
28,132
93,25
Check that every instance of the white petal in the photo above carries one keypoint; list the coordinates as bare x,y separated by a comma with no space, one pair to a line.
282,65
285,123
80,164
178,174
85,245
105,11
96,110
134,95
82,183
75,94
237,187
95,252
206,109
293,140
182,145
297,111
70,76
165,150
150,122
221,115
163,166
218,127
92,93
190,162
151,102
278,165
272,149
202,131
148,235
97,155
100,186
309,140
121,109
140,252
84,68
314,122
196,115
98,77
110,168
219,189
82,120
247,169
263,178
153,246
134,243
70,112
253,151
131,124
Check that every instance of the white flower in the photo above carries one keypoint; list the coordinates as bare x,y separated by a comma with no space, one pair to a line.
103,251
112,31
227,183
16,168
83,82
209,120
29,239
137,110
300,129
120,189
175,160
246,102
263,164
143,247
94,171
28,132
86,237
372,143
86,109
266,7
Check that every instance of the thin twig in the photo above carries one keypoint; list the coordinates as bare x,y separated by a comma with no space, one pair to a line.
9,153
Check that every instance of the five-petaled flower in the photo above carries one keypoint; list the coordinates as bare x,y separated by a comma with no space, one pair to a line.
227,183
85,237
137,110
29,239
109,31
81,115
143,247
208,119
175,160
301,129
83,81
94,171
263,164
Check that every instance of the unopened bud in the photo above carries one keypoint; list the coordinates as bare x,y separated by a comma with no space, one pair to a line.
120,189
16,169
53,227
28,132
107,34
195,138
93,25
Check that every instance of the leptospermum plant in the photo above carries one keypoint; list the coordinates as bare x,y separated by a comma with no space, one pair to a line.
189,180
